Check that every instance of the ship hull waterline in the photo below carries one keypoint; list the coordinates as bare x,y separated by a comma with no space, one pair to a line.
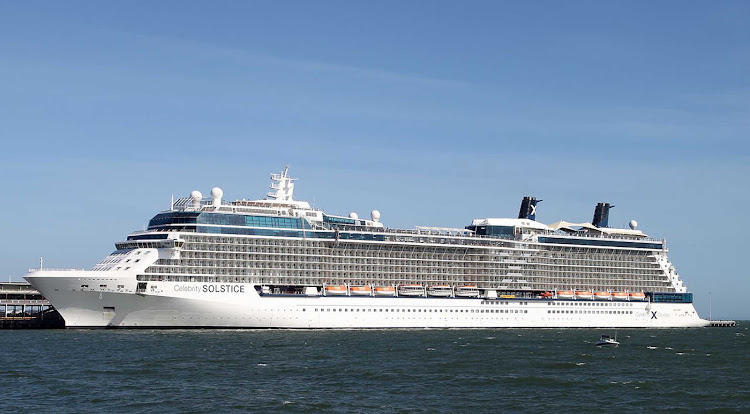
214,305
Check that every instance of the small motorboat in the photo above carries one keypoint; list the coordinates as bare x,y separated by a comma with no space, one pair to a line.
606,340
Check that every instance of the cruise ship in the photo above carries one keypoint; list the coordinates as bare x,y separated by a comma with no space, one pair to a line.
280,263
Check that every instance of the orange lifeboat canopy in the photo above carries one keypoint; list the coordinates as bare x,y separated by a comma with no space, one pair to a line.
385,290
360,290
619,295
565,294
336,290
338,287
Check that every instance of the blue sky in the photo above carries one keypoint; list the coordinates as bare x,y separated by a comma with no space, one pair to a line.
432,112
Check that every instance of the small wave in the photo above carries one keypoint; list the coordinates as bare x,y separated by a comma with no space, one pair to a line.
430,349
652,347
262,365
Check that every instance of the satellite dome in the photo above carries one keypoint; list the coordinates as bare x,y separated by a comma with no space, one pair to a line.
353,215
375,215
633,224
216,192
196,195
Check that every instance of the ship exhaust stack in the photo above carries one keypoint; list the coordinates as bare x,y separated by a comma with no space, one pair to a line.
601,215
528,208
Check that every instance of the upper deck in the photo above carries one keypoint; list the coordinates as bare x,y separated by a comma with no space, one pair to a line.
279,215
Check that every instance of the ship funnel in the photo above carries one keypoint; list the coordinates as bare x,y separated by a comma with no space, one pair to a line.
601,215
528,208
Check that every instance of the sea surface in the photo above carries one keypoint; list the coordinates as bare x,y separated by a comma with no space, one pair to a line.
424,370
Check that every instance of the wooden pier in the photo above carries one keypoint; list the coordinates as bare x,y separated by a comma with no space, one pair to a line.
723,324
23,307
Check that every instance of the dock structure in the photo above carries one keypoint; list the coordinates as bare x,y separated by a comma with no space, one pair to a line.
723,324
22,306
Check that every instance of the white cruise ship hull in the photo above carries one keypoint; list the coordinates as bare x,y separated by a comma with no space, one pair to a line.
279,263
114,303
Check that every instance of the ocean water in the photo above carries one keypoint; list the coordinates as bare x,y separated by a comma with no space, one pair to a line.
488,370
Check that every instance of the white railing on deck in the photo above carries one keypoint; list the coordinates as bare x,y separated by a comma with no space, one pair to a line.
52,269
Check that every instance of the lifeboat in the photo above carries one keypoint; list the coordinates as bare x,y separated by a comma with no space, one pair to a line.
469,291
439,290
584,294
619,295
410,290
602,296
546,295
360,290
637,296
385,291
339,290
565,294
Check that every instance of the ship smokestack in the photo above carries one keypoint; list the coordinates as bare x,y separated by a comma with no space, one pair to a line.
528,208
601,215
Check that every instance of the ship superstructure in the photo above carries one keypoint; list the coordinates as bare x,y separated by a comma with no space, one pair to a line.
278,262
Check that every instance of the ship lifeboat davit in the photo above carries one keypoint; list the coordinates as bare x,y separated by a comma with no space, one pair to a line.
565,294
339,290
584,294
637,296
410,290
468,291
385,291
602,296
619,296
360,290
440,291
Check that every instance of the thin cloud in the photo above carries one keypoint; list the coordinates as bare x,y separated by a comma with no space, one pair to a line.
207,49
